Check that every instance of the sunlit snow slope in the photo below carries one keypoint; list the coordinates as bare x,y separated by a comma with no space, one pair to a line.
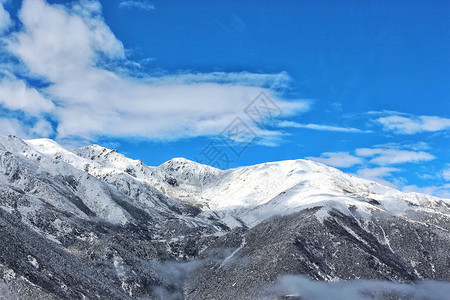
247,195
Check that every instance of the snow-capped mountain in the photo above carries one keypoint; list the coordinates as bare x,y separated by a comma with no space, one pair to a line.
248,194
115,228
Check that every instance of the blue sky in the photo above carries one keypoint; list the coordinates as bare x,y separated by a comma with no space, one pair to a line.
360,85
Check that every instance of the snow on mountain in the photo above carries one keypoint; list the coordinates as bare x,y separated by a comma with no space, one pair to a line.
57,183
247,195
178,178
115,188
186,180
253,194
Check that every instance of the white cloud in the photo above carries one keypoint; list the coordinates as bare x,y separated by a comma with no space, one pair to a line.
377,174
135,4
446,174
5,20
10,126
414,146
438,191
270,81
41,128
383,156
87,8
29,129
413,124
66,47
320,127
391,154
15,95
337,159
60,45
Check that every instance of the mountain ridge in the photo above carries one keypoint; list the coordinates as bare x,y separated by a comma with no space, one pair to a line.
185,163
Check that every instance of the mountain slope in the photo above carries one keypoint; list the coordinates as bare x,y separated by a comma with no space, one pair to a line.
250,193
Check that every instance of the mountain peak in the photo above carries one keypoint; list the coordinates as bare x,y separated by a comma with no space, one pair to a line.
187,168
94,149
104,156
45,145
177,161
181,162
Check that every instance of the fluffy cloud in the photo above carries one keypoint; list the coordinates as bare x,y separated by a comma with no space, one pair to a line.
135,4
5,20
382,156
30,129
15,95
40,128
12,126
69,48
412,124
61,45
337,159
319,127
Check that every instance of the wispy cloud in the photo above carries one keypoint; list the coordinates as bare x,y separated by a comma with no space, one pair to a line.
376,162
378,174
135,4
5,20
413,146
446,174
290,124
270,81
337,159
409,124
383,156
386,154
68,47
442,191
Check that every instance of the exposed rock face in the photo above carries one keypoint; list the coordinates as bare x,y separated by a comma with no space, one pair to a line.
91,223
